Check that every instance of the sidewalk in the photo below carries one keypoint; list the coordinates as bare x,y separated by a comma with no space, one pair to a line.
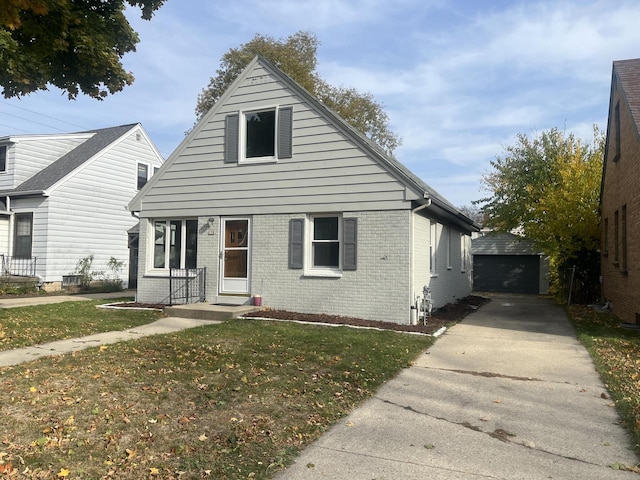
507,394
27,354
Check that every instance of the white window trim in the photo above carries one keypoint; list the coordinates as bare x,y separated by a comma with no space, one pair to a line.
151,270
242,131
309,269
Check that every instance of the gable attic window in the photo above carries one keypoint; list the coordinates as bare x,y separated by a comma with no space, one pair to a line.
258,136
3,158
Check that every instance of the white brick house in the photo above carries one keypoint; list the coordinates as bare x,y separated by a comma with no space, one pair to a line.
277,196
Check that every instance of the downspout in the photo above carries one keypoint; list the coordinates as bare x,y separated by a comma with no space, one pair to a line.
10,239
412,246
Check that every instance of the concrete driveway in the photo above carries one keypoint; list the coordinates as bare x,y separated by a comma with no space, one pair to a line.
507,394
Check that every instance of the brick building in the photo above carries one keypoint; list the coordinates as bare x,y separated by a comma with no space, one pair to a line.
620,194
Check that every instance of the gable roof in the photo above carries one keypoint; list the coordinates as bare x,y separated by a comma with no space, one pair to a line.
56,171
503,243
424,194
628,73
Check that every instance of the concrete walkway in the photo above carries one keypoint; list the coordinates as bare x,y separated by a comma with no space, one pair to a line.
508,394
27,354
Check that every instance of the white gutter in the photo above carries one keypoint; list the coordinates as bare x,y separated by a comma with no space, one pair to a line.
411,233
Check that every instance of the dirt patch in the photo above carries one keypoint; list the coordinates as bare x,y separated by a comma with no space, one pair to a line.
445,316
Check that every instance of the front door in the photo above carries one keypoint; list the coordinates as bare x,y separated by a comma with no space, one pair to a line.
235,256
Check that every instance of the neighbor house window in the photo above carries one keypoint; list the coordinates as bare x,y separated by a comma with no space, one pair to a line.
616,120
616,238
143,175
433,248
260,134
624,238
175,243
3,158
23,237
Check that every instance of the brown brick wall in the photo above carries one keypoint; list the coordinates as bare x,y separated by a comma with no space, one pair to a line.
622,187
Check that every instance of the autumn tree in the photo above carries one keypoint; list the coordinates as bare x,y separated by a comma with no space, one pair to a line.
74,45
297,57
549,188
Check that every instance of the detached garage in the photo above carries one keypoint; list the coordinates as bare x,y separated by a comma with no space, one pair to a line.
508,263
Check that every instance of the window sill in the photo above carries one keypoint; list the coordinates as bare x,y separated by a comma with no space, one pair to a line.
449,268
254,161
434,275
322,274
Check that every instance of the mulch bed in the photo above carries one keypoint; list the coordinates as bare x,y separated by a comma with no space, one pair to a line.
445,316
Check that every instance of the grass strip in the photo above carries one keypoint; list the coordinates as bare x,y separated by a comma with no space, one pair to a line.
34,325
233,400
616,355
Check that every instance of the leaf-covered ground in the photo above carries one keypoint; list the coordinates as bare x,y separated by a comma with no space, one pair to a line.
234,400
616,354
25,326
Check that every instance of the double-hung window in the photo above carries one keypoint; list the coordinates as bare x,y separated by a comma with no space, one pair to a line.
323,245
175,244
23,235
325,242
143,175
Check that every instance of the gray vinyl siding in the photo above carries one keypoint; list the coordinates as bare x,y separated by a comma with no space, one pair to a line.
87,214
327,172
29,155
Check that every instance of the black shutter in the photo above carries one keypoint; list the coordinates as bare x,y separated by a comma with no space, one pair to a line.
350,241
296,243
285,124
231,131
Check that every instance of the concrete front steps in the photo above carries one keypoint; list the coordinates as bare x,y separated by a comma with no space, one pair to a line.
207,311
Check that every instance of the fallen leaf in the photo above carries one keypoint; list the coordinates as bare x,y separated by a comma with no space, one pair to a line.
63,473
103,348
202,437
351,424
130,453
33,389
154,471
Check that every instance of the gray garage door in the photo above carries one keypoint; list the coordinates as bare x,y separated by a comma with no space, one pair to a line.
506,273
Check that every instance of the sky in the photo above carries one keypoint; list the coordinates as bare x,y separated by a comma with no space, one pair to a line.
459,80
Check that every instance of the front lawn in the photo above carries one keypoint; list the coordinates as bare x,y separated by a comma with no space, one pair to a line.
616,354
34,325
226,401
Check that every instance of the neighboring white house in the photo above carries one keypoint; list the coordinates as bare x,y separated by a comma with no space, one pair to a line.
277,196
64,197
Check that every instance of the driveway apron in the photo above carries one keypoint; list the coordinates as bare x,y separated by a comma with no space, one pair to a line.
509,393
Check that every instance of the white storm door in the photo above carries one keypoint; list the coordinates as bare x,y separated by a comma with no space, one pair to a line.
235,255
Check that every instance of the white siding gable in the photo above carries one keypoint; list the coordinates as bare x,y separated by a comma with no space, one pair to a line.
30,154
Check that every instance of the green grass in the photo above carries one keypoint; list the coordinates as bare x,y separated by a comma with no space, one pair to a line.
233,400
24,326
616,354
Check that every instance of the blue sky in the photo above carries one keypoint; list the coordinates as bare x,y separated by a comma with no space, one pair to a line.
459,79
